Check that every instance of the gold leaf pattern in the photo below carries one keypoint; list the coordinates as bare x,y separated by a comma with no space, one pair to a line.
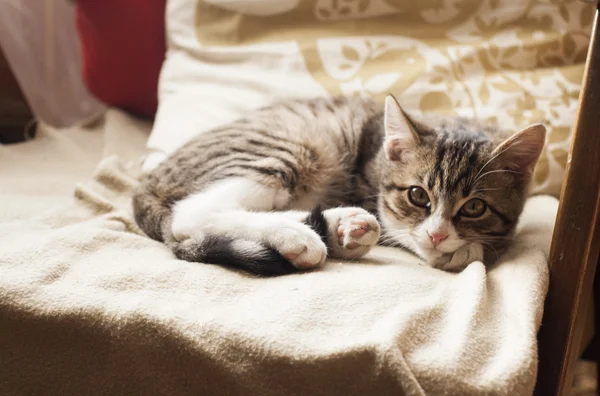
560,155
436,101
350,53
484,93
507,86
363,5
436,80
564,12
569,45
542,170
559,135
585,17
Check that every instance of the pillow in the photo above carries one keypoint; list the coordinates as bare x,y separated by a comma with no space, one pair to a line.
512,62
123,48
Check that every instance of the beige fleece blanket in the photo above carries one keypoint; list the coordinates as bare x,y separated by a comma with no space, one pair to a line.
90,306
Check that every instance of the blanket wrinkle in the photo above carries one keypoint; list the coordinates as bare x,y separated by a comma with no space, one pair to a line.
89,305
392,358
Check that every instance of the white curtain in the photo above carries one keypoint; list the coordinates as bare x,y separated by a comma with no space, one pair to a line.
39,40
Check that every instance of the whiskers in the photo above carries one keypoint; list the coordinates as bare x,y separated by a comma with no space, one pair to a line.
489,162
393,236
378,195
489,240
479,190
497,171
479,176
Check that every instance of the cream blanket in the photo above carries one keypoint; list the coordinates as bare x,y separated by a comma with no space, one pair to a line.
90,306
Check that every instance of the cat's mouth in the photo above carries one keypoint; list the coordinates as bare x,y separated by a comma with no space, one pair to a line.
432,255
448,247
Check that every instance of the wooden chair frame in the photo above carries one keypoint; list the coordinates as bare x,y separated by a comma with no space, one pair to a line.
576,241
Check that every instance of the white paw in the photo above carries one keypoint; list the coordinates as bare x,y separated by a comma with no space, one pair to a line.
464,256
352,232
299,244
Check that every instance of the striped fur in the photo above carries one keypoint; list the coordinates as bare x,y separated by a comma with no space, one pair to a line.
332,153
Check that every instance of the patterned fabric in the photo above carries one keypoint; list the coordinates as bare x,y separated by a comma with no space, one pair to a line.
514,62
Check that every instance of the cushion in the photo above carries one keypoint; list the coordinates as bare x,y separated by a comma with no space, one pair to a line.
512,62
123,47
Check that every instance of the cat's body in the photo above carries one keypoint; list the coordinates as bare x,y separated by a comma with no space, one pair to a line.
242,194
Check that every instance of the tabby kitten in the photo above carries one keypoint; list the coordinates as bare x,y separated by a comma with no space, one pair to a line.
289,185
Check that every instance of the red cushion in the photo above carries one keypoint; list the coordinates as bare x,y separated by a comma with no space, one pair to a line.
123,47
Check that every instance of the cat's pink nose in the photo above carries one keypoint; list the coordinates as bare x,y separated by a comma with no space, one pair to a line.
437,237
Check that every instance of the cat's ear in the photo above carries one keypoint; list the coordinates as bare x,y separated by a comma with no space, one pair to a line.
522,150
400,135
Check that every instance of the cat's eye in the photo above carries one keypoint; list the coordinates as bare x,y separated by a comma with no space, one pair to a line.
473,208
418,197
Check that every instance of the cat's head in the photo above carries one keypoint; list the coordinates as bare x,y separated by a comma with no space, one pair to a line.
453,183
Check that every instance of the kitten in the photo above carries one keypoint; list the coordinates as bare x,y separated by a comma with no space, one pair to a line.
289,185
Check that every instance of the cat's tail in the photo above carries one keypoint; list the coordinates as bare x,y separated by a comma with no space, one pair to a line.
152,212
153,215
250,256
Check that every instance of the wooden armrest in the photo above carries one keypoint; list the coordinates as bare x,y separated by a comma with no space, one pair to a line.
576,240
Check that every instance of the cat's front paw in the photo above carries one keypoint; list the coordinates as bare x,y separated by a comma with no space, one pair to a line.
464,256
352,232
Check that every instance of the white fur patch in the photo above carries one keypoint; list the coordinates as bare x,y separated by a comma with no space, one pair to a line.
240,209
192,214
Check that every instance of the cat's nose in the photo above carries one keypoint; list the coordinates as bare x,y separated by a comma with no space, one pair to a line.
437,237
